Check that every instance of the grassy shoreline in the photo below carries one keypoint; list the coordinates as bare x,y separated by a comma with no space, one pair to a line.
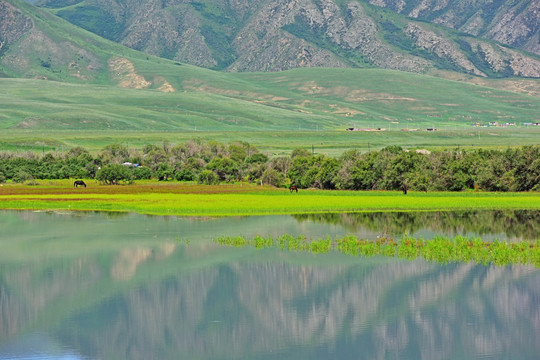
245,199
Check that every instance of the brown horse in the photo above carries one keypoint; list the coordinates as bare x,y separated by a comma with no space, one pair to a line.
293,188
78,183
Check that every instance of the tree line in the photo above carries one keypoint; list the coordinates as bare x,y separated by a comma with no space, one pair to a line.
211,162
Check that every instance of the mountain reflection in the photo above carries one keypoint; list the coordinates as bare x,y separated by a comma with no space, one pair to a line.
238,310
136,291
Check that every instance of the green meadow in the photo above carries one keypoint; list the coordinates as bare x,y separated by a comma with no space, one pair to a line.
275,112
302,99
274,143
305,107
243,200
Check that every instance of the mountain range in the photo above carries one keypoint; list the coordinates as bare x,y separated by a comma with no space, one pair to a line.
482,38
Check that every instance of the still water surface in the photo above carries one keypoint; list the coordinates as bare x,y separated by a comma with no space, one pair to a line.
127,286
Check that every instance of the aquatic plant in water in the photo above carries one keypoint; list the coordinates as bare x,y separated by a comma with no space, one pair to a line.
440,249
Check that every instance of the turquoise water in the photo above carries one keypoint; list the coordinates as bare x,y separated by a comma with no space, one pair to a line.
127,286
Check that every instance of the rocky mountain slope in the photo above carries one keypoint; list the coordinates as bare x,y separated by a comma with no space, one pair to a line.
274,35
515,23
36,44
35,47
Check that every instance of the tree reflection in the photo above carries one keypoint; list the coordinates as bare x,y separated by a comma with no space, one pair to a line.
521,224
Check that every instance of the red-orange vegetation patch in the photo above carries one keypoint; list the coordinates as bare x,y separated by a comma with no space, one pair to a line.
161,188
57,199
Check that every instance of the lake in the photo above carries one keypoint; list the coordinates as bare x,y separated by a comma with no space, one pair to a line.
127,286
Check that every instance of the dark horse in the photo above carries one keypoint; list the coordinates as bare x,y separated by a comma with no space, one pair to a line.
293,188
79,182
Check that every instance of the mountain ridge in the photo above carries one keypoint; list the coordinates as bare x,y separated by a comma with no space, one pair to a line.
276,35
514,23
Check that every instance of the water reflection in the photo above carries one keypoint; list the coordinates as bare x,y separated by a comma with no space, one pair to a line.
130,287
39,347
505,225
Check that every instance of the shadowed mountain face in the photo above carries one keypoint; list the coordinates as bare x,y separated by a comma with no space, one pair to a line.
274,35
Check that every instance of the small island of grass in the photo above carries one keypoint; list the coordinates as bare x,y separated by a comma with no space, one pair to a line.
440,249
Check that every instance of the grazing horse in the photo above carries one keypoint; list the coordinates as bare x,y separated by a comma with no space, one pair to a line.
293,188
79,182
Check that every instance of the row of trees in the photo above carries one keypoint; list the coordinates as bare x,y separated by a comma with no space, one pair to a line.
512,169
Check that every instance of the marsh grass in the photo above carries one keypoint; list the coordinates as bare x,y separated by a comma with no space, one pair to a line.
440,249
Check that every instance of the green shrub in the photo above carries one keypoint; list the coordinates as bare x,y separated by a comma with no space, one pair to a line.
21,176
273,177
208,177
142,173
114,174
184,175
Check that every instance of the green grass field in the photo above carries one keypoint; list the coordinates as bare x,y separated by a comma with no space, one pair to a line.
298,100
308,108
274,143
236,200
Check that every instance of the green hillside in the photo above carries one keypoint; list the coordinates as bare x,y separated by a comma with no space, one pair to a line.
302,99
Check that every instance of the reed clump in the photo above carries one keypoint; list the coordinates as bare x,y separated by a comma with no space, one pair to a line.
440,249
